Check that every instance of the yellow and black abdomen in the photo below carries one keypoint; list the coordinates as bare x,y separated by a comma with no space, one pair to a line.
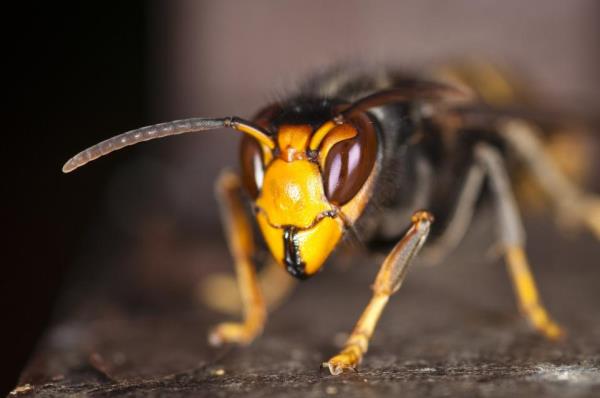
567,142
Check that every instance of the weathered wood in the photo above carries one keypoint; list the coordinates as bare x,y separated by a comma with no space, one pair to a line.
452,330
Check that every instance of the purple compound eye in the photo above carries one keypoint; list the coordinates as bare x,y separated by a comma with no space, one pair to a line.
349,162
251,160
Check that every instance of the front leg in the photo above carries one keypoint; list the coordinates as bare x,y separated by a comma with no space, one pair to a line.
241,245
388,281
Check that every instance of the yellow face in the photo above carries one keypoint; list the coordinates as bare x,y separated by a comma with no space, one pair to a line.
300,223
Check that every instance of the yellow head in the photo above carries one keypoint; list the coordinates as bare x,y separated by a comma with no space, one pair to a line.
314,183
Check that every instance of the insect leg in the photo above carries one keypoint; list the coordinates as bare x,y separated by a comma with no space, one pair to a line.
220,291
461,217
388,281
512,237
239,238
572,204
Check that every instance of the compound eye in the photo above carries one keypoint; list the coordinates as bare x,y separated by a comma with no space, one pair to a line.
253,170
349,163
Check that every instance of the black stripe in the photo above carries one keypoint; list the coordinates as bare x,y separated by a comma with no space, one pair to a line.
292,258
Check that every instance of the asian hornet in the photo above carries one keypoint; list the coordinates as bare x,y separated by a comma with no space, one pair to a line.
392,158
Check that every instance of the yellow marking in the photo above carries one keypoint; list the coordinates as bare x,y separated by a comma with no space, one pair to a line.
494,86
273,237
339,133
315,244
257,134
293,141
292,193
267,154
528,296
320,134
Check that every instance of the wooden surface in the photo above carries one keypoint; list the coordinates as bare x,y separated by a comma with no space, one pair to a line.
452,330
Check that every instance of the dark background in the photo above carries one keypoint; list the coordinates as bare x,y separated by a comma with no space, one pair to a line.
79,73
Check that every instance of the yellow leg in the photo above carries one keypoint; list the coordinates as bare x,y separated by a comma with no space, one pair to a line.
220,291
388,281
512,238
239,237
527,294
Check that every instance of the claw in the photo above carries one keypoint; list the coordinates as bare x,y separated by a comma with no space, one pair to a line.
231,333
552,331
344,362
540,320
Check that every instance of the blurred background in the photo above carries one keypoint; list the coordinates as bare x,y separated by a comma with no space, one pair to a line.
83,72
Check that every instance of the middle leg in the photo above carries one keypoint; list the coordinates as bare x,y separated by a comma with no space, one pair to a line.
512,238
221,293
